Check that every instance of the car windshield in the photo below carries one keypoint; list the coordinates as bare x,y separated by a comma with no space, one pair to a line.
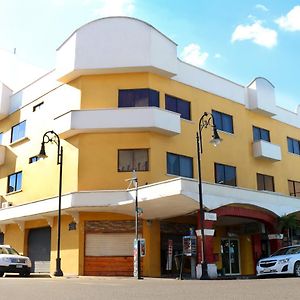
7,250
288,250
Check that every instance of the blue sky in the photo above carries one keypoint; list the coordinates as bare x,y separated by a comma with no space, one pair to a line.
239,40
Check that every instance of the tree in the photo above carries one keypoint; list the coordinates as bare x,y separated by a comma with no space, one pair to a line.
287,223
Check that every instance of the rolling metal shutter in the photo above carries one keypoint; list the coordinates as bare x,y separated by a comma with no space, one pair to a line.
109,244
39,244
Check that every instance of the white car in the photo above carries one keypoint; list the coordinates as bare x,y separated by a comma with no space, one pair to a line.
284,261
12,262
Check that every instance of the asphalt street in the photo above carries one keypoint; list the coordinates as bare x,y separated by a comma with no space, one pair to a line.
128,288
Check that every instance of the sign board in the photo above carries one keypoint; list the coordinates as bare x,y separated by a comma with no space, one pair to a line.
276,236
209,232
170,255
135,258
210,216
142,247
189,245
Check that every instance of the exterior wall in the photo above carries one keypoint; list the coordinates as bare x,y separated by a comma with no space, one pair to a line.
70,247
151,262
246,255
15,237
101,91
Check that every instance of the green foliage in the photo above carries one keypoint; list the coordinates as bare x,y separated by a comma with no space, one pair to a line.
287,222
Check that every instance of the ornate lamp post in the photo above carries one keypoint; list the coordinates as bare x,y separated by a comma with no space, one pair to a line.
207,120
52,137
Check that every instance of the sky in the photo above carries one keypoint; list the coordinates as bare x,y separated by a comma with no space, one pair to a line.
239,40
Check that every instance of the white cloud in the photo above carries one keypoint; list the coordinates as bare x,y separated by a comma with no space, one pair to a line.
290,22
260,35
218,55
261,7
192,54
115,8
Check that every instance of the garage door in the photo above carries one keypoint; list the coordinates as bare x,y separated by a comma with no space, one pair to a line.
109,254
39,245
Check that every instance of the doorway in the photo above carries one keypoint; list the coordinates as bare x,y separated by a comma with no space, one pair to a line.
230,251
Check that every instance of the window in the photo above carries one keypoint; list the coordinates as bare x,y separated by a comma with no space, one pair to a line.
179,165
180,106
260,134
33,159
138,98
37,107
133,159
225,174
223,121
14,182
265,182
1,138
18,131
293,146
294,188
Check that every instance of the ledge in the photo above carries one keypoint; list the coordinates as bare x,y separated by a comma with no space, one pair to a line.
19,141
132,119
161,200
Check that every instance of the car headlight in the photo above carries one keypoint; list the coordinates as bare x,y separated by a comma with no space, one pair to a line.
283,261
5,259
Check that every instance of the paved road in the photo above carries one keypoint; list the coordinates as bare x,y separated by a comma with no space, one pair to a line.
128,288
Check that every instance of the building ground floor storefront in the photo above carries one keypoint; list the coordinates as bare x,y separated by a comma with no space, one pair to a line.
98,230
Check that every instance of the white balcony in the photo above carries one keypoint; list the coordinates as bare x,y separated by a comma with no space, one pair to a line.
267,150
5,94
261,97
133,119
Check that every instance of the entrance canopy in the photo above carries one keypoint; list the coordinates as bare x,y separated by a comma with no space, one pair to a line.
160,200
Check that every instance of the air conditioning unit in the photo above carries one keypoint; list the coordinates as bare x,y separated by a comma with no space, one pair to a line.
6,204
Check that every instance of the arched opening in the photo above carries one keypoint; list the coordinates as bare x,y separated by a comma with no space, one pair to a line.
243,235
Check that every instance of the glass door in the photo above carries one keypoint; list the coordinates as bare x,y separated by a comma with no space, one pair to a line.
230,256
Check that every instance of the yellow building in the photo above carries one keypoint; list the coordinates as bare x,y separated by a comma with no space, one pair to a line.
120,100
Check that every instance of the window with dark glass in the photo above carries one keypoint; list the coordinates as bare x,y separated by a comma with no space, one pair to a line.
225,174
133,159
293,146
178,105
38,107
18,131
138,98
223,121
294,188
265,182
179,165
33,159
260,134
14,182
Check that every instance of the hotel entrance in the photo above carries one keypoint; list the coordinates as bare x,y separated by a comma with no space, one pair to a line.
230,256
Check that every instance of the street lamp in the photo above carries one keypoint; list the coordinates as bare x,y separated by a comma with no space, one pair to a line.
137,263
52,137
207,120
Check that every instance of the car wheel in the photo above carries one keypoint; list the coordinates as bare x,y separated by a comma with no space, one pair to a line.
1,274
297,269
25,274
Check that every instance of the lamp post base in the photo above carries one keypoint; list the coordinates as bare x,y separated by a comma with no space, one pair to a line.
204,275
58,272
